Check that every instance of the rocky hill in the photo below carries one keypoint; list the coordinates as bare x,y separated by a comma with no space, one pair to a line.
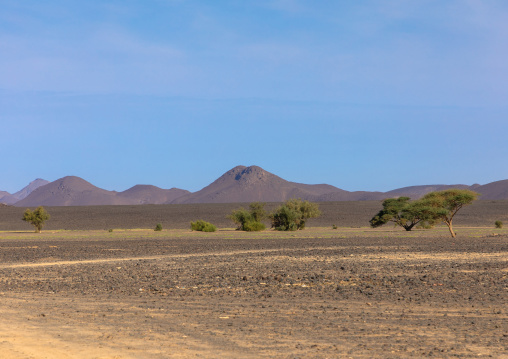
251,184
32,186
75,191
148,194
7,198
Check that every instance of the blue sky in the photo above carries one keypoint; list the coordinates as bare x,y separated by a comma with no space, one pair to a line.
363,95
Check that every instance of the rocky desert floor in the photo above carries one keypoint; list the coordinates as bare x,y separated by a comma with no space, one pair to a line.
317,293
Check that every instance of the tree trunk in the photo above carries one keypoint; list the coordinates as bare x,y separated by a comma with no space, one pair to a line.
450,227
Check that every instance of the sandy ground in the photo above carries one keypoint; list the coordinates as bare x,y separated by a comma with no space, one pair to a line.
318,293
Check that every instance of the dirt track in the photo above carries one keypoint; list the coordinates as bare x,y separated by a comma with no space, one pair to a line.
320,293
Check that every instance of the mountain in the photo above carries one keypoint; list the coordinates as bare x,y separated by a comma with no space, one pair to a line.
147,194
69,191
415,192
7,198
251,184
240,184
75,191
493,191
32,186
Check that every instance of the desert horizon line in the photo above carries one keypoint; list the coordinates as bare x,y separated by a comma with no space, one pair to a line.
322,183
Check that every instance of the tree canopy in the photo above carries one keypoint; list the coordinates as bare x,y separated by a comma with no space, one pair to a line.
36,218
431,208
293,214
404,213
448,202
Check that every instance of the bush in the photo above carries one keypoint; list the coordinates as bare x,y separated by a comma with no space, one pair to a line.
36,218
334,226
284,219
203,226
110,230
499,224
293,214
158,227
249,220
254,226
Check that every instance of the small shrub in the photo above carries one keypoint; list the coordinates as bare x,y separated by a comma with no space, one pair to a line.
254,226
425,225
158,227
203,226
499,224
334,226
249,220
293,214
110,230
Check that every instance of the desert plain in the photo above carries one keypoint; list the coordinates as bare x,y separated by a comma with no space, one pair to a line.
78,290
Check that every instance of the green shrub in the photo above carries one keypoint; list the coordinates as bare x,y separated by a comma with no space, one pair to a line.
284,219
240,217
110,230
293,214
203,226
257,211
36,218
425,225
253,226
158,227
249,220
334,226
499,224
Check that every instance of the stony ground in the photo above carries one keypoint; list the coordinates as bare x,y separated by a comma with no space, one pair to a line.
179,216
318,293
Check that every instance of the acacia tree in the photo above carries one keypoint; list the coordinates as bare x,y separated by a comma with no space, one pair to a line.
404,213
293,214
36,218
448,202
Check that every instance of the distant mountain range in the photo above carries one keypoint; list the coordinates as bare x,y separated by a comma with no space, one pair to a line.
8,198
240,184
75,191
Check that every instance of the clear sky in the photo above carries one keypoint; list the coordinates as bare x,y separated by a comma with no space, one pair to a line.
362,95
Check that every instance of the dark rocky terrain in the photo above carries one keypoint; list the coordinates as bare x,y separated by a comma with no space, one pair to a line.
174,216
316,293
